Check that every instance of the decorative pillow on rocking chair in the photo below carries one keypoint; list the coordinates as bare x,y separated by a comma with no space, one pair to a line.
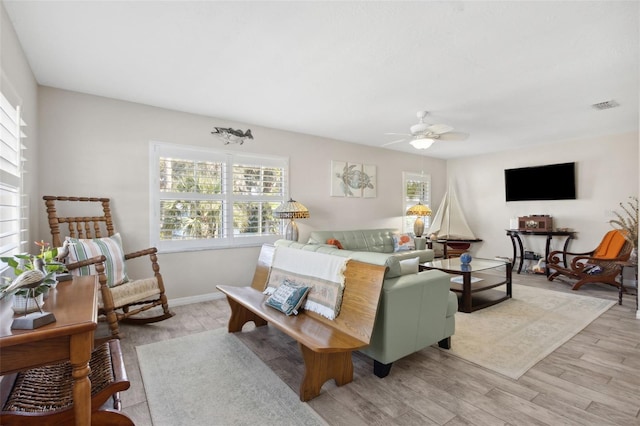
110,247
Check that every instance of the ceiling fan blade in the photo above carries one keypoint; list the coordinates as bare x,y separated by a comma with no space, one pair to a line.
453,136
439,128
398,134
394,142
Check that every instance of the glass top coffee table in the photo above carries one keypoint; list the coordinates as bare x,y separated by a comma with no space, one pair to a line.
472,284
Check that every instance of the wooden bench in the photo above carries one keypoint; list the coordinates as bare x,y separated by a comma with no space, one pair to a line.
326,345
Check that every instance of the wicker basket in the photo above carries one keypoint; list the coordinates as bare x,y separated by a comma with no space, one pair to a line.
49,389
20,302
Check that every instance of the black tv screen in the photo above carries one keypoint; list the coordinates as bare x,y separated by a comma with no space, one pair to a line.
548,182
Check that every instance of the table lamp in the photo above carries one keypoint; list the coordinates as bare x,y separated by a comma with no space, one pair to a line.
291,210
419,210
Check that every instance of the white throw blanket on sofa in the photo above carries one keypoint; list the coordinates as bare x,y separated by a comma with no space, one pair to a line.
322,272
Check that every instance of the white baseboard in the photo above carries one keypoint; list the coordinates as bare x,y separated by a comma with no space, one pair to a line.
195,299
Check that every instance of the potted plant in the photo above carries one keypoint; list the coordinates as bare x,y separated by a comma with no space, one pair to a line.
627,222
44,262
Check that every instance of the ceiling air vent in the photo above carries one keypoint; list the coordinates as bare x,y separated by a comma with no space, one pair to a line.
606,105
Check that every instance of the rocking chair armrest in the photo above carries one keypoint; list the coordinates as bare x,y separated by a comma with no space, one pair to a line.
151,252
570,253
99,262
141,253
88,262
578,263
619,258
557,256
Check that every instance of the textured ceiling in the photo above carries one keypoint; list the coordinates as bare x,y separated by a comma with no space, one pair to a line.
509,74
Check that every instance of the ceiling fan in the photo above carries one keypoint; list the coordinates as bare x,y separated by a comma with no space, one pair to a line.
423,135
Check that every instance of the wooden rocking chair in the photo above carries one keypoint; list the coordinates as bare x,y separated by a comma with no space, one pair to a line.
116,301
596,266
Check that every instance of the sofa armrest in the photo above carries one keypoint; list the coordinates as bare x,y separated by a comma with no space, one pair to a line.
425,255
412,315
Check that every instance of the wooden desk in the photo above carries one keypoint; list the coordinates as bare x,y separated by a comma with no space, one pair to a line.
514,234
75,305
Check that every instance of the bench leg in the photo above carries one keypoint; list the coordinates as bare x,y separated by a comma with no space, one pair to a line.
320,367
240,316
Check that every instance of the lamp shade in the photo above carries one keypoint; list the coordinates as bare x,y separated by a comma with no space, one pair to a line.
291,210
422,143
419,210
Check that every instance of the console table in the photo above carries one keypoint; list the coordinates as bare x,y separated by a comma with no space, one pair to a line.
622,289
515,234
75,306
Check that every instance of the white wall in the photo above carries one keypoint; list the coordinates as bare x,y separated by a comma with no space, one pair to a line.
93,146
607,174
19,86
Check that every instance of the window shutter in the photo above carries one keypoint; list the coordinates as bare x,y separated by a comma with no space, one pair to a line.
205,198
416,188
13,206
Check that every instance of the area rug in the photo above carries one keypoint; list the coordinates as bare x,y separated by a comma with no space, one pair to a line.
212,378
512,336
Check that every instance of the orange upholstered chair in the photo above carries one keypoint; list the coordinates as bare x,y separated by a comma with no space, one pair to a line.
596,266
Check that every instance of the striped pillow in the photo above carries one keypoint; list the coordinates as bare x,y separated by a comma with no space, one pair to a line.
110,247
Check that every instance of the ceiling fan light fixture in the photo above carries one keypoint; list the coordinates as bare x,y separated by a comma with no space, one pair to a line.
422,143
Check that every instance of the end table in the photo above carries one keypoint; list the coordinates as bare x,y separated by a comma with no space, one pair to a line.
622,288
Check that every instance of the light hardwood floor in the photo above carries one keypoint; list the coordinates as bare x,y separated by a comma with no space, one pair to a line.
593,379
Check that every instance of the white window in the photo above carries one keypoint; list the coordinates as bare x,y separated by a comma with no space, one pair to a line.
416,188
13,208
205,198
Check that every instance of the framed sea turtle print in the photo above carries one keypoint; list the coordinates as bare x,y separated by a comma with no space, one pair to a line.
354,180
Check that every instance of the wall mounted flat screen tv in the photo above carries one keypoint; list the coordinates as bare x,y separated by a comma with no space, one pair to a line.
548,182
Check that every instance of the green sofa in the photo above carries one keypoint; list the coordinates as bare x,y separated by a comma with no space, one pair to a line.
375,240
416,310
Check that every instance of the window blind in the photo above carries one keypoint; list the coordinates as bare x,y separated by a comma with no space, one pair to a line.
13,208
416,188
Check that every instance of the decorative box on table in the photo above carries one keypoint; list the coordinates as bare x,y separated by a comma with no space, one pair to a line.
535,223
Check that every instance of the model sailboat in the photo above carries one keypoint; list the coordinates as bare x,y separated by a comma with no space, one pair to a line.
449,222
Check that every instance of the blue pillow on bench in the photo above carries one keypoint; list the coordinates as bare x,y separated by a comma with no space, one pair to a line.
288,297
